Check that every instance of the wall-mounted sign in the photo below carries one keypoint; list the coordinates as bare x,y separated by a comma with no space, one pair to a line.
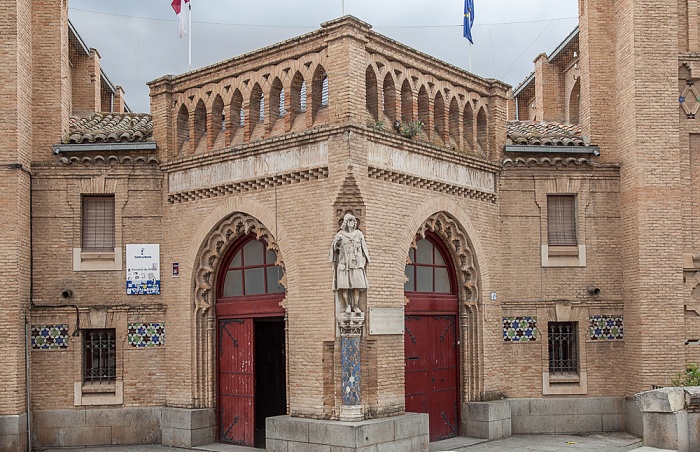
176,269
142,269
386,321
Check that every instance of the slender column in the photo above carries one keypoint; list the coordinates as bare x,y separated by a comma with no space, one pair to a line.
350,363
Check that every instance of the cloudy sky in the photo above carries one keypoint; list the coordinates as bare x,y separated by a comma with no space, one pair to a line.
138,39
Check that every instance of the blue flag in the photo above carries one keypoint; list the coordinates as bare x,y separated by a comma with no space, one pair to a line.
468,19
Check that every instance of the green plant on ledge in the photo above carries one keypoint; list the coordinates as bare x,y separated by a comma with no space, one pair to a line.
691,377
376,125
410,129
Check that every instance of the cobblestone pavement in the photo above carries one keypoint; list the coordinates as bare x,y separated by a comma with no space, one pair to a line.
593,442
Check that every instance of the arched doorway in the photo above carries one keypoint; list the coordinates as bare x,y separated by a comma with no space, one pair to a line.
251,342
431,338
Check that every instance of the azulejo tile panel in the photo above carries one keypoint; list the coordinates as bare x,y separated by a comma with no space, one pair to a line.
350,363
146,335
520,329
49,337
605,327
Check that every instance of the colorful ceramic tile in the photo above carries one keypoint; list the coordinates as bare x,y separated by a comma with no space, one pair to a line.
519,329
605,327
49,337
350,364
146,335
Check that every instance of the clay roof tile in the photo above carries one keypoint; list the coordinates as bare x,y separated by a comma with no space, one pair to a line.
110,128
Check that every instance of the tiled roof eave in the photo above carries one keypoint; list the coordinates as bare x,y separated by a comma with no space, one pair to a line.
121,146
549,149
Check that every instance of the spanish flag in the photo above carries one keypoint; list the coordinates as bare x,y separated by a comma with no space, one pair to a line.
177,6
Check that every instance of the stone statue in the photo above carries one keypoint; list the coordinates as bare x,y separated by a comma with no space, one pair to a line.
349,256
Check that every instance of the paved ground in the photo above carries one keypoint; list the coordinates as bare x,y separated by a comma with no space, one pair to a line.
592,442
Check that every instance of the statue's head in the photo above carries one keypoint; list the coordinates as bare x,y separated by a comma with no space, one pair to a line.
349,220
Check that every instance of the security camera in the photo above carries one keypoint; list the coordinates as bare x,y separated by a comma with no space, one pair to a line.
66,294
56,151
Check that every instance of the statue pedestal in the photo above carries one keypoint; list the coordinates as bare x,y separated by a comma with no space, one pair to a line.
398,433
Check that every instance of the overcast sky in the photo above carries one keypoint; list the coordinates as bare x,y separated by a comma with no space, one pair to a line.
138,39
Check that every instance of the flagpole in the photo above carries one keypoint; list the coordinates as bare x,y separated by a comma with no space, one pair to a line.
470,57
190,38
343,6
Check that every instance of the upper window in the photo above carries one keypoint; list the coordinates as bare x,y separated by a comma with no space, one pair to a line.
561,220
252,271
563,347
98,223
427,270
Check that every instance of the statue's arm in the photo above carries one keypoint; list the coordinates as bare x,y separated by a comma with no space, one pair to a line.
334,247
363,244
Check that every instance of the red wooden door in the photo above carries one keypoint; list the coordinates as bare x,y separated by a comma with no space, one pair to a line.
236,382
430,343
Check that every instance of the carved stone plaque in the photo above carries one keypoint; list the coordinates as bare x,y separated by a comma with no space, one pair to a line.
386,321
268,164
431,168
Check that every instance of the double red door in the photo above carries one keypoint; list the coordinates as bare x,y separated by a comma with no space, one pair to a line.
432,372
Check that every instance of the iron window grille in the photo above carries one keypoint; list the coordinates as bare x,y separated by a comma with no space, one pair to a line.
99,355
563,347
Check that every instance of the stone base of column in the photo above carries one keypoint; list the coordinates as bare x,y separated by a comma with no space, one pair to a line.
182,427
407,432
351,413
13,433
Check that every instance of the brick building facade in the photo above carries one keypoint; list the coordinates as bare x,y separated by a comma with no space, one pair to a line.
527,245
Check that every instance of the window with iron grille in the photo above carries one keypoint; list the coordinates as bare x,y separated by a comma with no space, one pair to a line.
98,223
563,347
561,220
99,355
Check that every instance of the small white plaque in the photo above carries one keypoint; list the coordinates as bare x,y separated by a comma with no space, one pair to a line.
493,296
386,321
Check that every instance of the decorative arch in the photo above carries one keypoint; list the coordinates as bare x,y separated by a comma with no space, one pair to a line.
200,126
218,121
276,101
183,130
236,115
371,98
204,272
319,90
424,108
439,114
235,226
256,107
446,220
454,122
389,97
482,135
406,102
468,126
295,92
448,229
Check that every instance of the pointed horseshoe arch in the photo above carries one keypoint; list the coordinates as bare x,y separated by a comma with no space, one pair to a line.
462,252
206,265
457,242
